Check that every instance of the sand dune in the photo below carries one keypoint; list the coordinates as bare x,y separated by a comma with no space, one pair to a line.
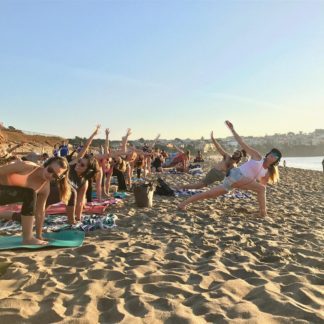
216,263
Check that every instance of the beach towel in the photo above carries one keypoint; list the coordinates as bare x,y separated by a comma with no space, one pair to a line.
120,195
174,171
187,192
94,207
196,171
56,223
237,194
60,239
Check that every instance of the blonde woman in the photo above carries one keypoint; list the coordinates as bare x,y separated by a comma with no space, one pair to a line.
251,175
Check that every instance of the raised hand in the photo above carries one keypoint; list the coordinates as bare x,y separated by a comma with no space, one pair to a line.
129,132
97,129
229,124
107,131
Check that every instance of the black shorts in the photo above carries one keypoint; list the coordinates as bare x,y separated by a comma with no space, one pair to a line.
15,194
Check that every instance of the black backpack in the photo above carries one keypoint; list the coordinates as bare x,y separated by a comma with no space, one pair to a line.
163,189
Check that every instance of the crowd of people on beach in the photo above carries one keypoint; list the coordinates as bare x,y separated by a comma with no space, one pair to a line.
69,175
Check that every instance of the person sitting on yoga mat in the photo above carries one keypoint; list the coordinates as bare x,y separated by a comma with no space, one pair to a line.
181,160
252,175
218,172
29,183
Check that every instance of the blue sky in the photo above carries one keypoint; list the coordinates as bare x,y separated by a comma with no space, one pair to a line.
179,68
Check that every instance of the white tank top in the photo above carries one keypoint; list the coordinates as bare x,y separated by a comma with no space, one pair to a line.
253,169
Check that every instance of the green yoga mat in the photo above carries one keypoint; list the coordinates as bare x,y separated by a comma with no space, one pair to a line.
57,239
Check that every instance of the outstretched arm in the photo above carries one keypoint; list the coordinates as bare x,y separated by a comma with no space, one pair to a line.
125,140
255,155
178,148
116,153
219,148
15,147
155,140
106,147
87,145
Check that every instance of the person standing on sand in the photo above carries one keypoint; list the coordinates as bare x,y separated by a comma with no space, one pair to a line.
252,175
323,165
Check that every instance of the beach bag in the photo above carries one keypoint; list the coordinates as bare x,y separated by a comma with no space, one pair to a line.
144,194
163,188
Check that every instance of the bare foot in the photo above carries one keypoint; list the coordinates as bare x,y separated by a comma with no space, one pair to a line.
182,207
34,241
41,238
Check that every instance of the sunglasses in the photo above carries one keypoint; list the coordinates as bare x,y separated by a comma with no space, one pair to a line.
54,175
82,165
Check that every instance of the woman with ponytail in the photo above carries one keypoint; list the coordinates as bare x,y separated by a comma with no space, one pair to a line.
251,175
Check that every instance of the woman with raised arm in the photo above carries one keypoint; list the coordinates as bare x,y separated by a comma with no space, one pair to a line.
29,183
115,165
218,172
252,175
148,155
131,158
82,169
106,165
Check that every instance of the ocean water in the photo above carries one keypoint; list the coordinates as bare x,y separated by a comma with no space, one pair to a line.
310,163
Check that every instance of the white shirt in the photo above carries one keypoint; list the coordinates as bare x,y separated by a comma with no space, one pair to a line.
253,169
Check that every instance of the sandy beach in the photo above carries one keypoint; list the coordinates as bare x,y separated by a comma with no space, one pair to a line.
216,263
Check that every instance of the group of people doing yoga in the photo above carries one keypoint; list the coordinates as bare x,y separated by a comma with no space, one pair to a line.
69,178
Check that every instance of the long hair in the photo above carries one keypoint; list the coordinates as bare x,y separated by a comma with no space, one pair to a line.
93,167
273,168
63,184
273,174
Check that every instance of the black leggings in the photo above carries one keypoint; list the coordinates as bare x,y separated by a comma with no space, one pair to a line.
14,194
53,198
89,191
120,178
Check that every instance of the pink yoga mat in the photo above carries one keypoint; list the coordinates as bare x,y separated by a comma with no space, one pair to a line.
91,208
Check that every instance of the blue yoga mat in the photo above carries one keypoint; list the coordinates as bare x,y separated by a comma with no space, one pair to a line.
57,239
